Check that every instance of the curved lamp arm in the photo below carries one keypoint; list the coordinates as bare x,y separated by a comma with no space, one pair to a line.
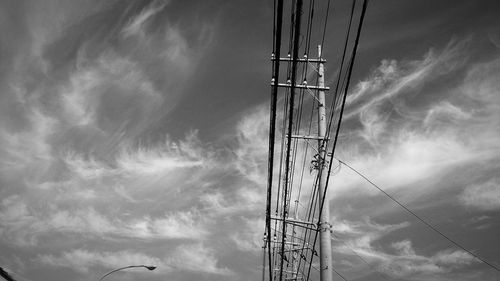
130,266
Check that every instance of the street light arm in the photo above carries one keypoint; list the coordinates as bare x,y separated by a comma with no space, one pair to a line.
5,275
125,267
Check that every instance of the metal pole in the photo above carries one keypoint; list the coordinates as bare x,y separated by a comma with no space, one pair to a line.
6,275
122,268
324,221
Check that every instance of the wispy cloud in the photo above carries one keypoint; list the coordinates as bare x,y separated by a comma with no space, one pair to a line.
251,151
484,196
23,226
397,144
105,93
393,78
137,23
249,236
82,260
167,157
445,113
398,259
176,225
189,257
198,258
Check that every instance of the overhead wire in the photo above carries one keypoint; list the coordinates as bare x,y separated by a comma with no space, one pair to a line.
430,226
305,68
298,16
305,73
285,118
292,122
277,29
279,191
285,149
326,23
298,122
338,101
335,100
324,31
357,255
338,273
279,210
306,146
349,73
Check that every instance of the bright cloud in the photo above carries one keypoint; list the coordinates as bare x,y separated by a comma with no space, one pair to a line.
393,78
82,260
197,257
358,239
137,24
484,196
401,144
191,257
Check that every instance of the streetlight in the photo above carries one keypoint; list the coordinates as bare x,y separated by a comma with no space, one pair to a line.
130,266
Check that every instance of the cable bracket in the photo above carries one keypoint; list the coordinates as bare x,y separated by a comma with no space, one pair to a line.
300,60
301,86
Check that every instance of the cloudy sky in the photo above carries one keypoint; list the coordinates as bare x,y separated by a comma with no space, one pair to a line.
135,132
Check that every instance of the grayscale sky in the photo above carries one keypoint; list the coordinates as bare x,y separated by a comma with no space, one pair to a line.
135,132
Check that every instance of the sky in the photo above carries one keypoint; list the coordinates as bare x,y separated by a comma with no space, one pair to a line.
136,132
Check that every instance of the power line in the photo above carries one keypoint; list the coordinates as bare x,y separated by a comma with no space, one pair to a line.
277,28
351,65
360,257
280,260
344,52
420,219
295,53
338,273
326,21
334,270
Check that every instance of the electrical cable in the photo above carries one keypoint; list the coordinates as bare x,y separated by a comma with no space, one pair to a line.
272,122
356,42
326,21
298,16
357,255
344,52
338,273
310,24
292,121
421,219
264,252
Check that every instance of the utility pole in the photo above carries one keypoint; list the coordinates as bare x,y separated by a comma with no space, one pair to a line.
324,221
291,248
292,243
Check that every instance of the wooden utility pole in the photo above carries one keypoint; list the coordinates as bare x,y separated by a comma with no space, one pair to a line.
324,221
